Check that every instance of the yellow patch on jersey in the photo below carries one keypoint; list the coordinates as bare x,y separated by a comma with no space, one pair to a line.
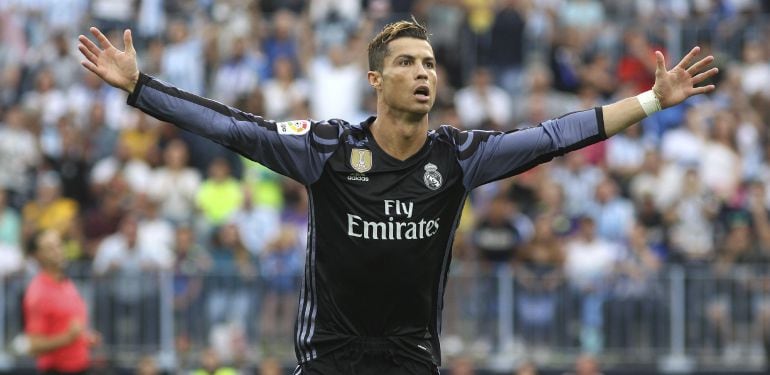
361,159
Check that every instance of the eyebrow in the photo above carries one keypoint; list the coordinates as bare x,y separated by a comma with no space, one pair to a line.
412,57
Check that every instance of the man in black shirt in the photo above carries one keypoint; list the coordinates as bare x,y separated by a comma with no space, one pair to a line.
386,194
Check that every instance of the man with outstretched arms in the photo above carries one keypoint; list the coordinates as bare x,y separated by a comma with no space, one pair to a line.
386,194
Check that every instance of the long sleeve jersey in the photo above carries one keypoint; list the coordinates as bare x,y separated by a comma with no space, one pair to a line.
380,229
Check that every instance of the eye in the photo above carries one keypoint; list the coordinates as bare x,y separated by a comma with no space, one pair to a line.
430,65
405,62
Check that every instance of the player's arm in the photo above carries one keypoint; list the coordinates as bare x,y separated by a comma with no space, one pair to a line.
41,344
292,149
488,156
37,322
671,88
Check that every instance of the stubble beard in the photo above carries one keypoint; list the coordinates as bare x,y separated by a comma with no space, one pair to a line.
413,112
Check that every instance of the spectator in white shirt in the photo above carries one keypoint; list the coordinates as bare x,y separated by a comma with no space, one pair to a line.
332,77
589,265
482,102
59,58
720,165
625,152
238,74
578,180
182,61
755,79
283,91
692,232
135,172
46,99
91,91
660,180
257,225
684,144
130,269
18,155
155,232
175,184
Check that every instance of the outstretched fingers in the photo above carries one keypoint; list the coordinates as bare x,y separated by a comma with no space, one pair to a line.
128,41
103,41
89,45
88,54
660,60
705,75
687,59
698,66
90,66
90,51
703,89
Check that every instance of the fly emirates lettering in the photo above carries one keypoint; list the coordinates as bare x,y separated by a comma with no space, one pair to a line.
393,229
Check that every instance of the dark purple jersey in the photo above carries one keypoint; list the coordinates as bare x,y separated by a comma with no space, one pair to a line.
380,229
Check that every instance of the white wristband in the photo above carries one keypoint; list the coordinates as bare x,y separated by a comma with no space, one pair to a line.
650,103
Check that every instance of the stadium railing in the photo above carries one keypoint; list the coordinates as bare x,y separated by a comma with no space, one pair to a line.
681,318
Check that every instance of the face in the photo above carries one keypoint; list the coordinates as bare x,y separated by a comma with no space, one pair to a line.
176,154
283,69
184,240
587,228
50,252
219,169
407,82
128,228
605,191
228,235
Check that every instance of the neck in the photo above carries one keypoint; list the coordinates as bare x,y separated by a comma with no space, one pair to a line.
400,135
54,272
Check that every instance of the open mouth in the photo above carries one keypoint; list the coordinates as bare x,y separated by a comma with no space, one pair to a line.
422,93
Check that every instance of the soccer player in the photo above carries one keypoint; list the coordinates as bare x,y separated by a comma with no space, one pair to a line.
385,195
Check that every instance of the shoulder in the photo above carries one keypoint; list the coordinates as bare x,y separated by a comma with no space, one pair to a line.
36,292
448,133
330,129
35,285
465,142
344,131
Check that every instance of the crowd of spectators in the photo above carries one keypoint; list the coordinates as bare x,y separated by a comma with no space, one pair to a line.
131,194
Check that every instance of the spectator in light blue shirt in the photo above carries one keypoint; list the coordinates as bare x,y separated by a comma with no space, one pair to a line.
613,214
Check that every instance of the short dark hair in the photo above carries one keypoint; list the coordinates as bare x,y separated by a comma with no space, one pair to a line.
378,47
33,242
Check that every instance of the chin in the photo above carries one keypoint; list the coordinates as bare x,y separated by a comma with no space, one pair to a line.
422,108
418,114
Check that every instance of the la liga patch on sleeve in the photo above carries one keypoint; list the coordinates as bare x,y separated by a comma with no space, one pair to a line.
295,127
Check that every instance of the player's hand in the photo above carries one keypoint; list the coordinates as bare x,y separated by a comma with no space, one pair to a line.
75,330
116,67
93,338
674,86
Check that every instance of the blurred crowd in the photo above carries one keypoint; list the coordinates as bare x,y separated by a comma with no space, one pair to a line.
131,195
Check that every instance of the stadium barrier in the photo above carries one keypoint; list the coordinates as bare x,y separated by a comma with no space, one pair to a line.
678,319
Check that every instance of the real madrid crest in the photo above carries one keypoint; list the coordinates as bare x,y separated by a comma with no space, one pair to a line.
361,160
432,177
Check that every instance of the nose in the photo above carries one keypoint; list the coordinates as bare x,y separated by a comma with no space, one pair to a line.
421,72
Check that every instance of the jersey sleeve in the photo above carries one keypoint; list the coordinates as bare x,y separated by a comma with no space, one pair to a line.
297,149
486,156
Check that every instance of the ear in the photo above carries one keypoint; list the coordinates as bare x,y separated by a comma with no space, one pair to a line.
375,79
